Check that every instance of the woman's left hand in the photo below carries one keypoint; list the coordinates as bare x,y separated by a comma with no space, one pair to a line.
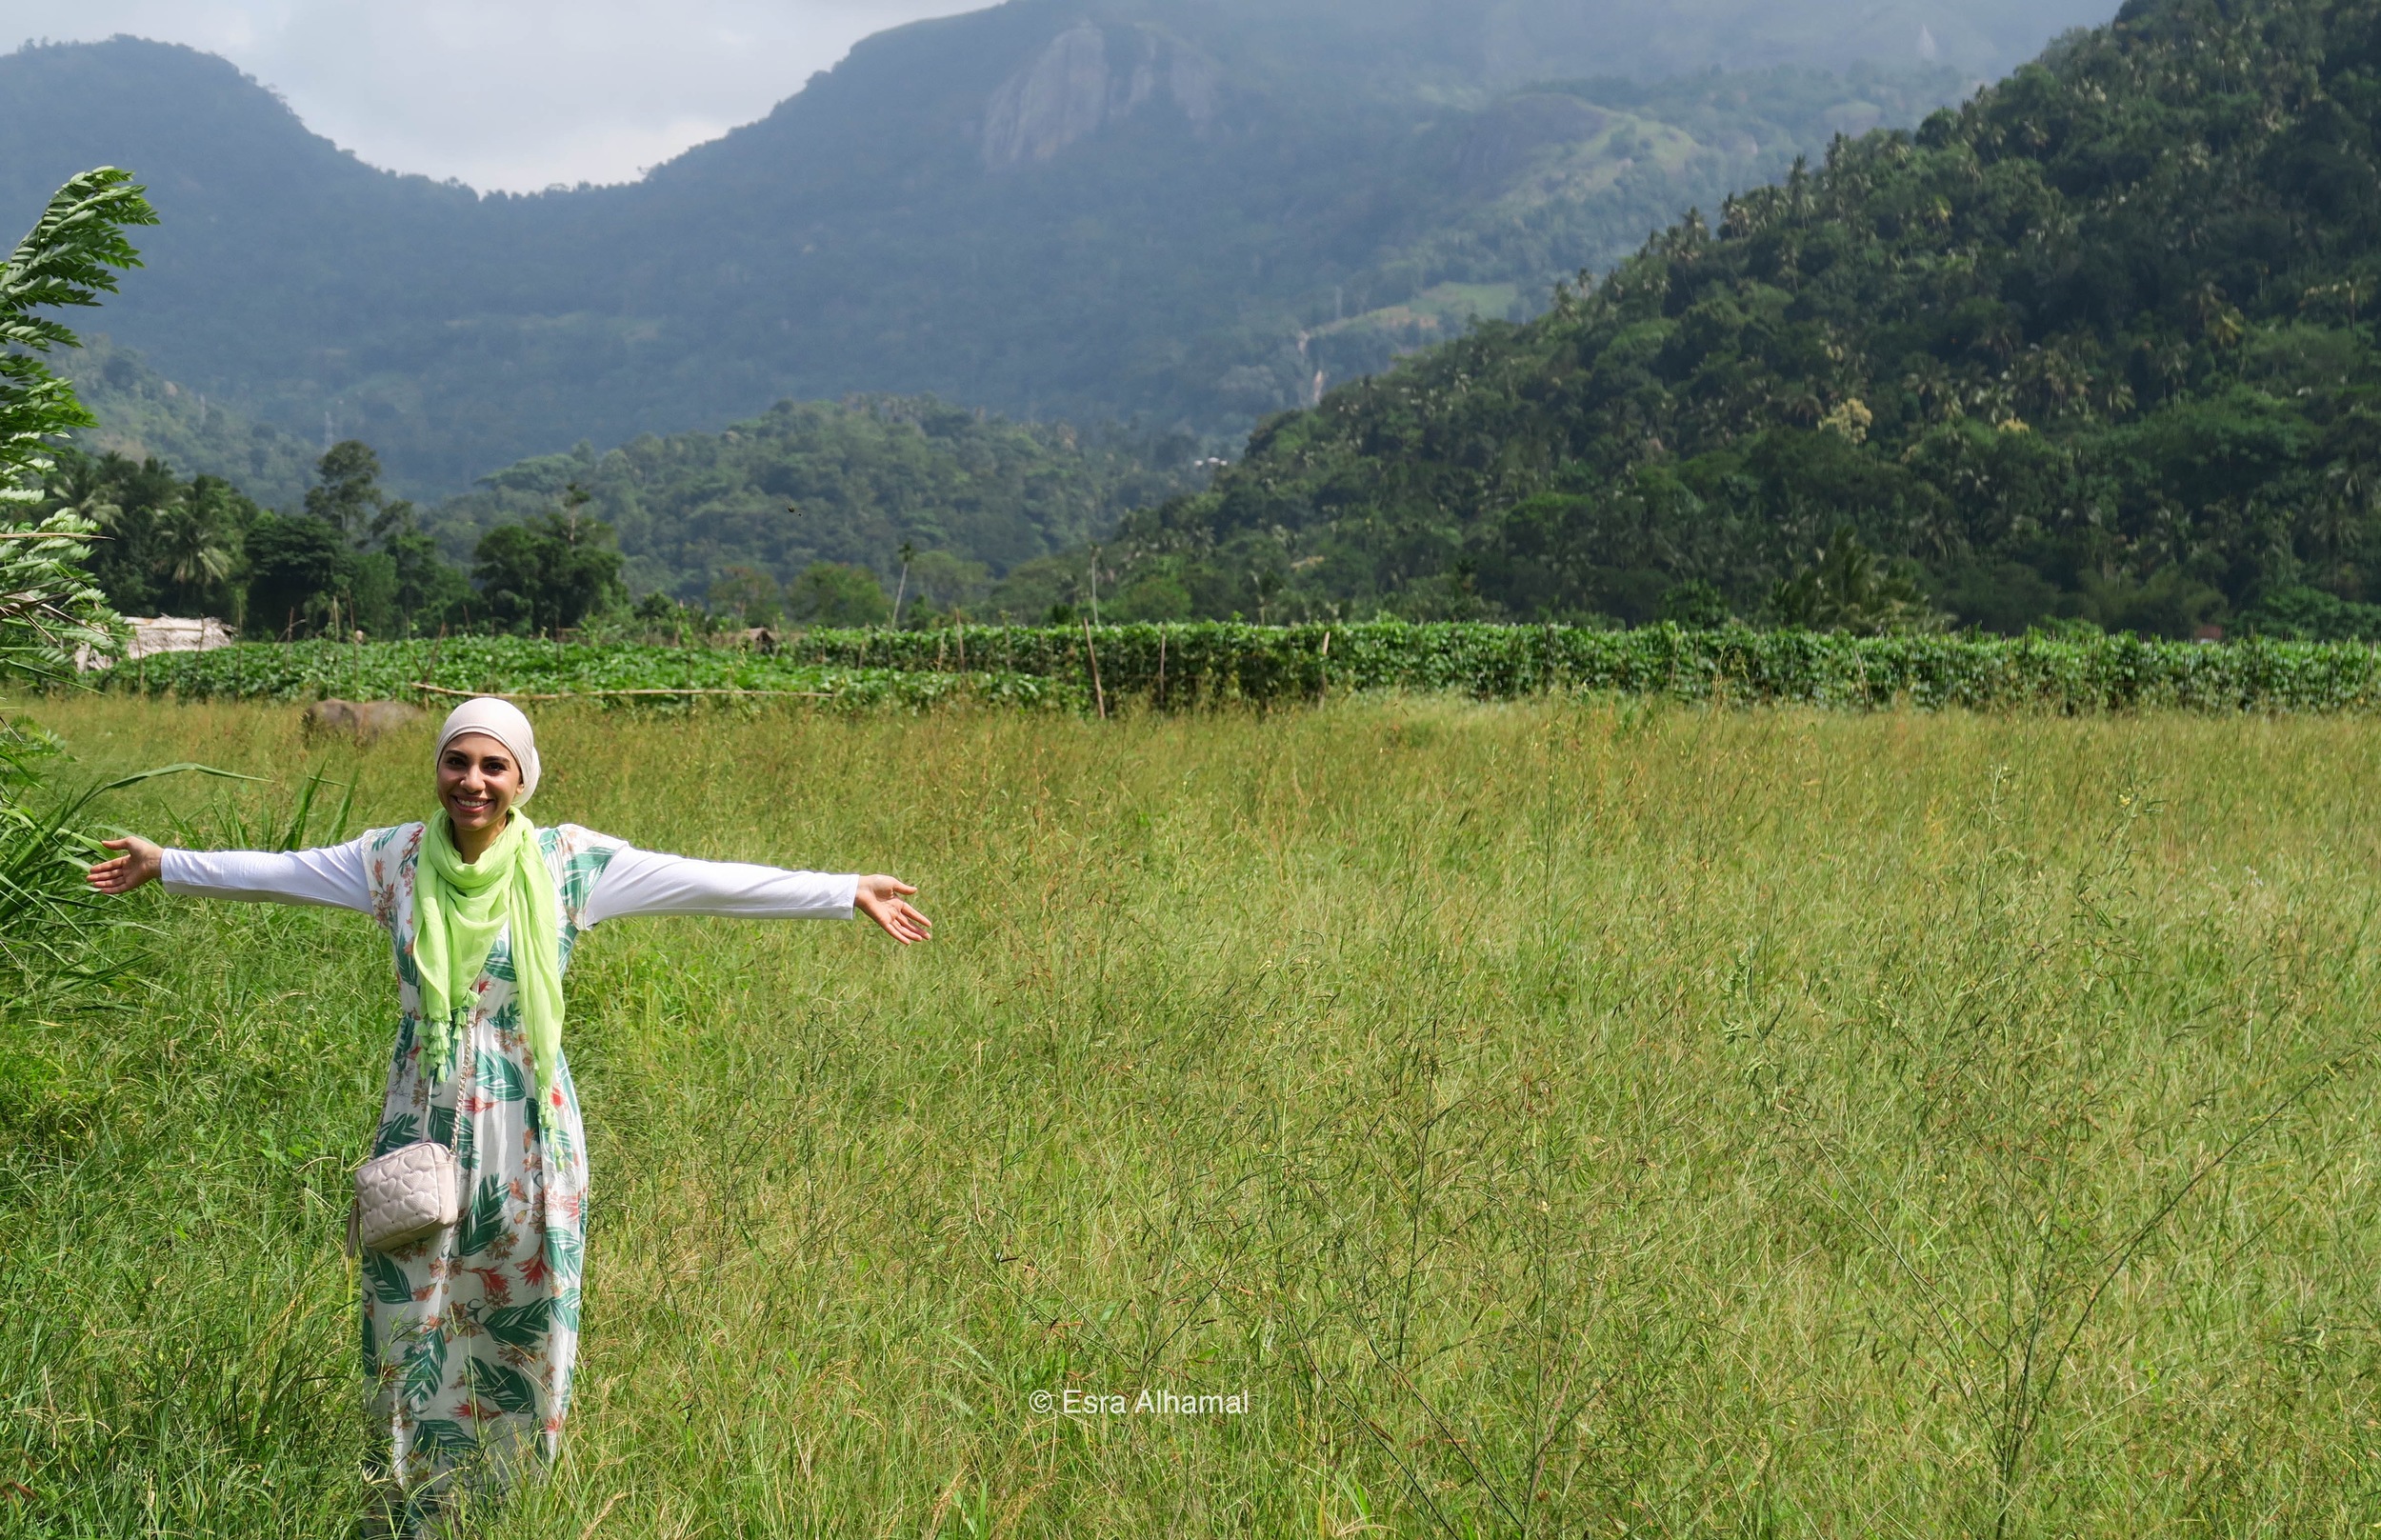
881,899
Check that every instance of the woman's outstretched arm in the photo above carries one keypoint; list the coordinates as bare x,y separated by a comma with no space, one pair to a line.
332,877
645,881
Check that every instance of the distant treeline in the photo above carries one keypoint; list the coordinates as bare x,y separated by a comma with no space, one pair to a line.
350,561
853,512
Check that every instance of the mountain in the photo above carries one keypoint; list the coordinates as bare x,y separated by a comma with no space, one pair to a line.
2099,345
1185,211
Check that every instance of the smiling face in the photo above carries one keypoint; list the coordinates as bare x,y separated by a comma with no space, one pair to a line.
478,781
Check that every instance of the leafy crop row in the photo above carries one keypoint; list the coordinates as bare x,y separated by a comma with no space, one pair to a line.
395,670
1178,667
1188,665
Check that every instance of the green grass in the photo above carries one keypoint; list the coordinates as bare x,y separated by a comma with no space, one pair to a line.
1559,1118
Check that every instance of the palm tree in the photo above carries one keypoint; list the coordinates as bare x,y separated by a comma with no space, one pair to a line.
194,546
87,491
908,553
1851,589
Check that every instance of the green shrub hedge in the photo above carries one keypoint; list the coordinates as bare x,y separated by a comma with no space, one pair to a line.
393,670
1192,665
1189,666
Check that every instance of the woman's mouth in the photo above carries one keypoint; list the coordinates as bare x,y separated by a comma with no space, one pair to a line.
471,805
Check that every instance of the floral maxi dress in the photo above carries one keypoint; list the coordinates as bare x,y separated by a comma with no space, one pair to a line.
469,1335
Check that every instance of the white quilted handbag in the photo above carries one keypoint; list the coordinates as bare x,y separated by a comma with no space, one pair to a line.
402,1196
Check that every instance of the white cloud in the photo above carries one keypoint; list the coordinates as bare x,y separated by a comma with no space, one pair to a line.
505,93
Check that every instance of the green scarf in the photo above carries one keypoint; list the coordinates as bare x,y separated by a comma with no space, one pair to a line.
458,909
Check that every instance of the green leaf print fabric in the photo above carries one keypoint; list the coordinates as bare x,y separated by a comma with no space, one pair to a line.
470,1336
484,1223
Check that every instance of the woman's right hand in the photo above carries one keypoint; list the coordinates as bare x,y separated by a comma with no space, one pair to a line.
140,863
882,900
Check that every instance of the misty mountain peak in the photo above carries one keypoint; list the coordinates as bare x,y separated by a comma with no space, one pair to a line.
1087,78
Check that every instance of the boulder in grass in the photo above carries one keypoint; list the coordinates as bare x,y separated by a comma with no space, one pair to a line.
359,721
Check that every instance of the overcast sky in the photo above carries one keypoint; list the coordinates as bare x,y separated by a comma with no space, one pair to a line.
504,93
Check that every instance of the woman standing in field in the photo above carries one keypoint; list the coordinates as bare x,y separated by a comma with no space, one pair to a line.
469,1334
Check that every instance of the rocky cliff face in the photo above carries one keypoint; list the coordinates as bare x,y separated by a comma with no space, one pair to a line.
1088,78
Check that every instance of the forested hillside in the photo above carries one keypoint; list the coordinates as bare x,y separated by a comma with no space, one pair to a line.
971,496
143,415
1192,211
833,511
2100,344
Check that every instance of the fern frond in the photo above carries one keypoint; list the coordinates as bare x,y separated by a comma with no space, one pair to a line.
70,255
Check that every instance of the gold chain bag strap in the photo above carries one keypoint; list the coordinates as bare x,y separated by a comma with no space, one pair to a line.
411,1193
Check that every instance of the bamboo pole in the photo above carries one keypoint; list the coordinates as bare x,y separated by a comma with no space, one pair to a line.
1097,694
590,695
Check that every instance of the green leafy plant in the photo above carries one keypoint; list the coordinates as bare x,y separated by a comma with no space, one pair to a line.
49,608
51,614
52,619
1204,664
67,258
617,674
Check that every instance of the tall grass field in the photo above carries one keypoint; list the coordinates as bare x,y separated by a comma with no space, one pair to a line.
1573,1117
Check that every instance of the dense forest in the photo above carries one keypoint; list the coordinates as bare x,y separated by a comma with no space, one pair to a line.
971,496
837,512
2098,346
1185,212
350,561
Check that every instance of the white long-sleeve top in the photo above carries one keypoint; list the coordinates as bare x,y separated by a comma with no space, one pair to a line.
634,882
